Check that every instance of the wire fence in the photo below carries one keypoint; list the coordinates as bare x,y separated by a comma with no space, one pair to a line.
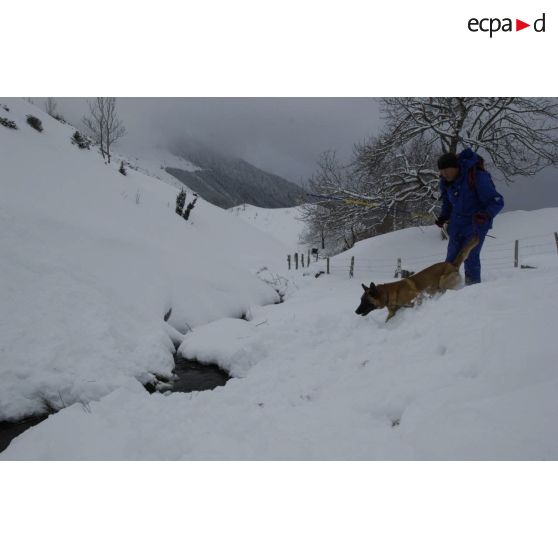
496,255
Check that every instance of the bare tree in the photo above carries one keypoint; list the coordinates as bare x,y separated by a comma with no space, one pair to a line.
341,207
114,128
402,179
393,181
95,122
51,107
317,231
518,135
103,124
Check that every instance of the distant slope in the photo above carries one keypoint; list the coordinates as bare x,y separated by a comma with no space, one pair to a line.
284,224
227,181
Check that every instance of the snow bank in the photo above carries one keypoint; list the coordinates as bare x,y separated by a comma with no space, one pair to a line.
468,375
92,260
231,344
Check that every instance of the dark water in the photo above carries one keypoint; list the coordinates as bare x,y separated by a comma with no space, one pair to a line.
194,376
190,375
10,430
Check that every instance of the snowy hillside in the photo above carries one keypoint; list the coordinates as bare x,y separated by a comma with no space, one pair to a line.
153,161
471,374
284,224
91,262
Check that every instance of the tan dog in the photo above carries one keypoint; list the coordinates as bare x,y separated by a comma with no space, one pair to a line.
436,278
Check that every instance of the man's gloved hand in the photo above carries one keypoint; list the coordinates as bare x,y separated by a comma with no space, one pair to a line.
440,222
481,218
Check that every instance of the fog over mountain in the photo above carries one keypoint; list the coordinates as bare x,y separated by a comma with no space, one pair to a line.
228,181
283,136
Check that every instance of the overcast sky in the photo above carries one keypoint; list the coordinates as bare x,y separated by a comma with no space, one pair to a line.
281,135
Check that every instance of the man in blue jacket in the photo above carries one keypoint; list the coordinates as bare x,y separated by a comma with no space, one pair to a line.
470,202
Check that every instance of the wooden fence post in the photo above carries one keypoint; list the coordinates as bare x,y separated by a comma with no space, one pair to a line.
317,251
308,260
516,257
327,266
352,269
296,260
556,239
398,270
289,261
302,259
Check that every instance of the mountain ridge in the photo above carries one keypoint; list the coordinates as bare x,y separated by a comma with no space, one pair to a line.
228,181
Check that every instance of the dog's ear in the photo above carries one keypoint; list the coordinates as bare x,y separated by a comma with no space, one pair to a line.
372,289
364,287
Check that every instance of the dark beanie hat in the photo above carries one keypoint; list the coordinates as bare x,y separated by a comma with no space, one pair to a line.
448,161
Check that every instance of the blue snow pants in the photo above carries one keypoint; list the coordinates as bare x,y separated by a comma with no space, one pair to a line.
472,263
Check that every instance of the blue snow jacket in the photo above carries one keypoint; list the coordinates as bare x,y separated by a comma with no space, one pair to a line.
460,200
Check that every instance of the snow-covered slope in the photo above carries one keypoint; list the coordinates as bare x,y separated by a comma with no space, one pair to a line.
92,260
471,374
152,161
283,224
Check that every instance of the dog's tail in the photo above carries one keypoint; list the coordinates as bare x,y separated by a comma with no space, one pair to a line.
465,251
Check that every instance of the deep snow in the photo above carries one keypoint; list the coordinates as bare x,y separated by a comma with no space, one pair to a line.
92,260
470,374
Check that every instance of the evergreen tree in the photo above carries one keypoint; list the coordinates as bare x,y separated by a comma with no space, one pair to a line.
190,207
180,201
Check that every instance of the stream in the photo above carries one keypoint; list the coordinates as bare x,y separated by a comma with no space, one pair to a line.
10,430
195,376
190,375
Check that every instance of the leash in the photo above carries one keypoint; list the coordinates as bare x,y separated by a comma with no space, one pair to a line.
366,203
476,231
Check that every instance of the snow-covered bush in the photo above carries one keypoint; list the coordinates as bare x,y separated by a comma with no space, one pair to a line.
60,118
35,123
81,141
8,123
280,284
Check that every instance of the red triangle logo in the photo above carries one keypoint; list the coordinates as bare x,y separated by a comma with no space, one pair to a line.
519,25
